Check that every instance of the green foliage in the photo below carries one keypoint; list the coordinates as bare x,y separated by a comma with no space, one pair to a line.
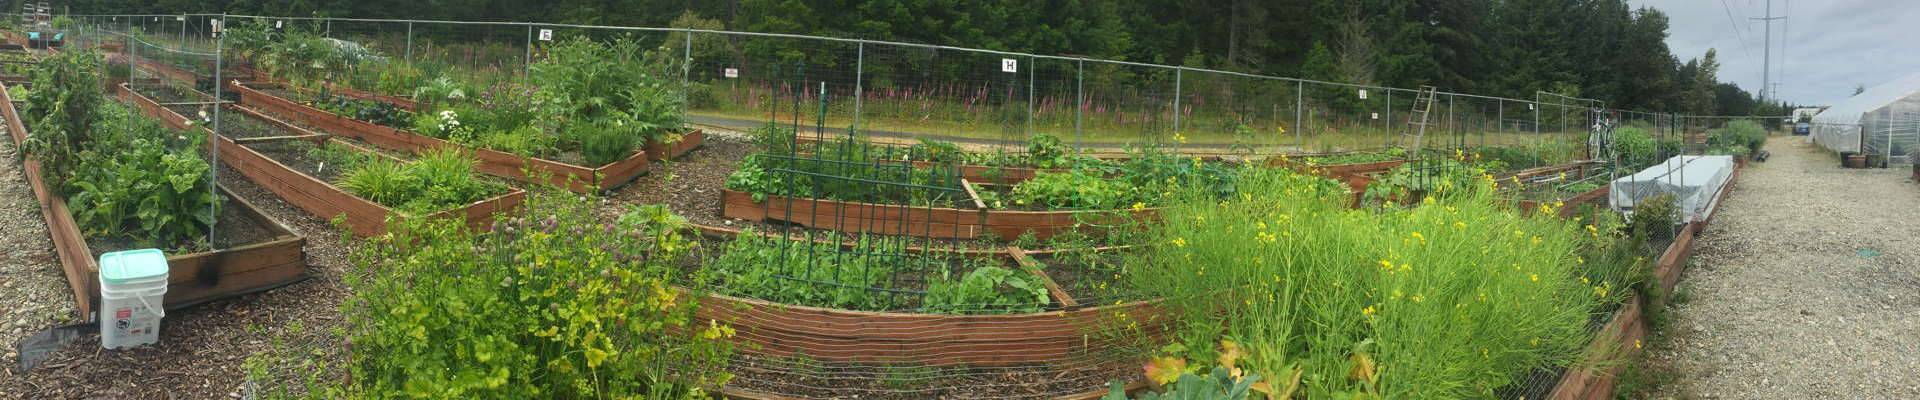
552,305
1078,189
1415,181
1445,300
124,175
1220,384
62,111
1655,217
866,276
141,180
604,142
987,288
847,169
374,111
609,83
1636,147
440,179
1741,137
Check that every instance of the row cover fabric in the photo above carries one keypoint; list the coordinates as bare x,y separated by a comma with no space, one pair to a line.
1694,181
1840,127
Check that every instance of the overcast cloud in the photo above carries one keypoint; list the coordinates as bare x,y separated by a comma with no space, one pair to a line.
1829,45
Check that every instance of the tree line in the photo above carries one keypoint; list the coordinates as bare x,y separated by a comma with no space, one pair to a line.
1599,49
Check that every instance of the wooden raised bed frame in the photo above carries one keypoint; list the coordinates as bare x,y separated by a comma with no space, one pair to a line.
320,198
192,278
1621,338
932,222
573,177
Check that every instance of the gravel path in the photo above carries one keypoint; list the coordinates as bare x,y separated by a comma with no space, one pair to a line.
1807,286
33,289
201,348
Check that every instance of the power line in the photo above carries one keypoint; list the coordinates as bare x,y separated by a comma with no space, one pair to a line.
1736,28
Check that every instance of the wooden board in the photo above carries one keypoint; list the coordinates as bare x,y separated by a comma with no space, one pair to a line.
573,177
657,151
931,339
1622,337
930,222
319,198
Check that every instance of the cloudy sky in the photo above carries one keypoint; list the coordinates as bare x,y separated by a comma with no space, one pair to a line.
1829,45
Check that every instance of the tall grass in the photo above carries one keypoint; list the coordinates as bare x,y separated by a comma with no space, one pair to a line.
1453,298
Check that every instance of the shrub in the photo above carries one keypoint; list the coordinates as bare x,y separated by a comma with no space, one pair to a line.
1635,147
1738,138
1654,217
1454,298
440,179
604,142
555,304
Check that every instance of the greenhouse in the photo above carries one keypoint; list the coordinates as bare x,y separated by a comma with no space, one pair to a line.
1882,122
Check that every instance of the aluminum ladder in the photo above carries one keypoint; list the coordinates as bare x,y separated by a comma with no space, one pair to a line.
1417,121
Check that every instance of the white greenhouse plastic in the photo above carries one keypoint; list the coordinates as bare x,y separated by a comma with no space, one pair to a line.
1695,182
1884,120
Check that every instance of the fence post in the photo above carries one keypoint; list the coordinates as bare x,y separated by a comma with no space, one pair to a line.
213,143
1079,100
409,58
526,67
1176,99
1389,121
1033,64
859,78
686,71
1299,110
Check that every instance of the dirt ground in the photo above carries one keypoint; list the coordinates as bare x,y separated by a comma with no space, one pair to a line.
1806,286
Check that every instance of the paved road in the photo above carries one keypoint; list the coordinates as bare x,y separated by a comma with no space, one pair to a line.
1806,286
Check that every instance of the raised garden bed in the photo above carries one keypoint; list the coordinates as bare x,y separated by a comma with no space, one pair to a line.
1621,338
273,161
573,177
261,254
1069,330
1569,205
928,222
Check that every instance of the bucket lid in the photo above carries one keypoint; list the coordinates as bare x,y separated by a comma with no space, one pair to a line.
133,266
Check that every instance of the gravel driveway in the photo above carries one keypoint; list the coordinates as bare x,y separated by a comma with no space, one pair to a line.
1805,286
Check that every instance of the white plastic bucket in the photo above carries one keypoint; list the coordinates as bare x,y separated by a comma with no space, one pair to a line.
133,287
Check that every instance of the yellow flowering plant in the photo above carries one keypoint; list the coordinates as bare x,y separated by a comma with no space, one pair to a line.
1404,302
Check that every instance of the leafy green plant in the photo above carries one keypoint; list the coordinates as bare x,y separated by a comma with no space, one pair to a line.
989,288
1740,137
1220,384
556,304
124,175
440,179
1636,148
1654,217
1416,180
1078,189
604,142
866,276
62,111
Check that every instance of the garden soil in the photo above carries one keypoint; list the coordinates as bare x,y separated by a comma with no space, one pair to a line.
1805,286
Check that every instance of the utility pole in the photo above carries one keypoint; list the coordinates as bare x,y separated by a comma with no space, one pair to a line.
1766,62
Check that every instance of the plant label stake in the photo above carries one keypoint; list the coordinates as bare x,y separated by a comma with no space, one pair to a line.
1009,65
546,35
